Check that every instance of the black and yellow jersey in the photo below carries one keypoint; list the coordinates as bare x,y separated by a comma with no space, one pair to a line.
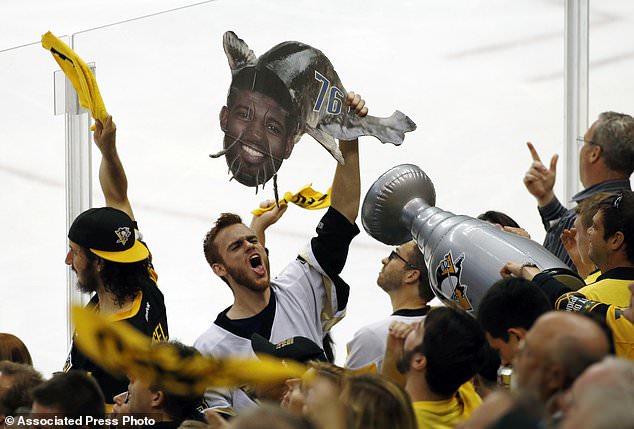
147,314
622,329
611,287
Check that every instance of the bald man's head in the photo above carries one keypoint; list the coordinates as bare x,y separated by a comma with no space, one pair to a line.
556,350
611,373
602,397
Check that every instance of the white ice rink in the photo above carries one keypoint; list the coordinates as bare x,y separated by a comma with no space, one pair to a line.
480,78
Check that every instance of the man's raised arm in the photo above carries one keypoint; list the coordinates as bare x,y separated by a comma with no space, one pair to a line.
114,183
346,186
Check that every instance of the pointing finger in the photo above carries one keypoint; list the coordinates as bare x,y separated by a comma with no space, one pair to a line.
533,152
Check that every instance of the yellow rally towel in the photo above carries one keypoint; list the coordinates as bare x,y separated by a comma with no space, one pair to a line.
306,198
79,75
122,350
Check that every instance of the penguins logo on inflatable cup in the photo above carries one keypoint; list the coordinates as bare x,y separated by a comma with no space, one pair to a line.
449,281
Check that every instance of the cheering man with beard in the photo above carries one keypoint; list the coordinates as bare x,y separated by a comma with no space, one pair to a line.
307,298
438,356
111,262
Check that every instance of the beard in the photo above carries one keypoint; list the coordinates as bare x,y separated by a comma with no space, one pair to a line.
90,281
385,283
240,275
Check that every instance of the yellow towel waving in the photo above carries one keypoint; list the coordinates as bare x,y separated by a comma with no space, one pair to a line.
79,75
306,198
120,349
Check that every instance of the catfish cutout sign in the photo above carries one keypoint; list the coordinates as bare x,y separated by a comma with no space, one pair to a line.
274,99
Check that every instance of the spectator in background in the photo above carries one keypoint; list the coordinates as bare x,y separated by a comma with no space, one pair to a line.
611,248
169,410
504,221
606,161
17,380
555,351
602,409
438,357
295,397
507,312
374,402
498,218
298,349
405,279
270,417
576,241
486,380
70,394
14,350
602,397
366,401
618,320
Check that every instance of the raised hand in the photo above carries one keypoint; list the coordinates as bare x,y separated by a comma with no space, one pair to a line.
540,180
105,135
356,103
569,239
260,223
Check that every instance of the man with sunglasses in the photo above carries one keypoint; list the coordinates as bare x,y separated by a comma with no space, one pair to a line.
405,279
606,161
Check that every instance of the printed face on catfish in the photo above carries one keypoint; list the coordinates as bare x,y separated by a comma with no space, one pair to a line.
256,137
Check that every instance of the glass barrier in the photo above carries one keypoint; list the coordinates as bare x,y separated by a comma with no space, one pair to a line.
32,213
611,62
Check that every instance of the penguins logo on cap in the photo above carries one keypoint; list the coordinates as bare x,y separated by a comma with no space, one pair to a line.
448,274
124,235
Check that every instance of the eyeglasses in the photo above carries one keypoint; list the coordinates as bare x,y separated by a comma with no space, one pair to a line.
582,140
396,255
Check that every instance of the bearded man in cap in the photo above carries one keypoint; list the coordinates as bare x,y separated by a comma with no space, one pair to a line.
110,260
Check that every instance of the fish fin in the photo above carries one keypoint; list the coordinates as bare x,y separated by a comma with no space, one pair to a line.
328,142
387,130
400,117
237,51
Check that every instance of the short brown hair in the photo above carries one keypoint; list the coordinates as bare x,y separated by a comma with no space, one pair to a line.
211,250
376,402
23,379
589,207
14,350
424,289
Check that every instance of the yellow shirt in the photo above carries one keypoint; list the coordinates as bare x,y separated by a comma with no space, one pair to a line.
449,413
592,277
622,331
611,287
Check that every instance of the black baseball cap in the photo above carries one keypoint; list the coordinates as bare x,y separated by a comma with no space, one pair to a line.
299,349
108,233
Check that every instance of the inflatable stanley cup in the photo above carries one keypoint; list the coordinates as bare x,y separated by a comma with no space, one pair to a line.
463,255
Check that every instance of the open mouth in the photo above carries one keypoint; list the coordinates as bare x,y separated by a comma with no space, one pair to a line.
256,265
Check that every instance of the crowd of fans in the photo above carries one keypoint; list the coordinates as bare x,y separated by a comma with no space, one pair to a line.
534,354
